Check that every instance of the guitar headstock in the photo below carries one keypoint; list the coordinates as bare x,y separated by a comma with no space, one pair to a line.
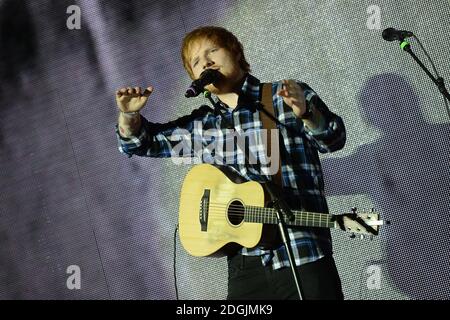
365,223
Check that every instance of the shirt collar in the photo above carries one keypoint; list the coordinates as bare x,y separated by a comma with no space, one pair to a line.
250,93
250,88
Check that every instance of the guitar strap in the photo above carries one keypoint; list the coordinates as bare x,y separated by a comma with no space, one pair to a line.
269,125
270,238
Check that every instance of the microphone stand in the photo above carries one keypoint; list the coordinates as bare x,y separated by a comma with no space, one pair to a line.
278,203
439,81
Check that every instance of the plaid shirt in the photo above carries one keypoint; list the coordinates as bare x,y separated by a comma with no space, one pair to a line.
301,170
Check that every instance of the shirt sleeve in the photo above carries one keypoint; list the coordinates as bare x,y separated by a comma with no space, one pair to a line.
175,138
330,135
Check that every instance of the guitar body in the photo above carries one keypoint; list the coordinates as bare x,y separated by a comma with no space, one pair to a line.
221,225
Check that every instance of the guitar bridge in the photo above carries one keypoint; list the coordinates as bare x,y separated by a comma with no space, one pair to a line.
204,210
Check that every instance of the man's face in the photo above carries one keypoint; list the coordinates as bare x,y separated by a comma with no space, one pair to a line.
205,54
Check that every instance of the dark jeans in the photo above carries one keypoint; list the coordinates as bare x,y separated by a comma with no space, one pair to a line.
249,279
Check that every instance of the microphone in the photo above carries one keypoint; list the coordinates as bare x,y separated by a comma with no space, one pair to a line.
391,34
206,77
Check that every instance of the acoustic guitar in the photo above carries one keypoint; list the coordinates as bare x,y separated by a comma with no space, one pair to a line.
216,209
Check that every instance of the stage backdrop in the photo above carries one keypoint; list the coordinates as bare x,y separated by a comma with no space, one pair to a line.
71,205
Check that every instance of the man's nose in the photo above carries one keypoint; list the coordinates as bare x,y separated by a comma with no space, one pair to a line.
208,64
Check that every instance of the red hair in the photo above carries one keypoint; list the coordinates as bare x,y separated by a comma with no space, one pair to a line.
221,37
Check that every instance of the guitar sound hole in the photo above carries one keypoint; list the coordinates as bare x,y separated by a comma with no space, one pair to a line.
235,213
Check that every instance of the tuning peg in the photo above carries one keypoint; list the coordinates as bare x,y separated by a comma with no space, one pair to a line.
361,236
372,210
354,210
352,236
371,237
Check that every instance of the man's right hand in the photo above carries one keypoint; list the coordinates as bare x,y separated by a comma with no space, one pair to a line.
132,99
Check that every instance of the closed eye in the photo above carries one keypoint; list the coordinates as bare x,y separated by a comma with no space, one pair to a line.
196,60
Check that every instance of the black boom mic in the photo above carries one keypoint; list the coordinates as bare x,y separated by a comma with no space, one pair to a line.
391,34
206,77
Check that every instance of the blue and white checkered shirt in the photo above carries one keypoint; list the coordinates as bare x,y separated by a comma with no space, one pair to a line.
194,134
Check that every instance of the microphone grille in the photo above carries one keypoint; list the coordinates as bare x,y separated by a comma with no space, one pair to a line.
388,34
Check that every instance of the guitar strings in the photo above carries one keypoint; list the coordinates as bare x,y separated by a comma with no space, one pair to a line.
240,208
237,211
223,206
216,213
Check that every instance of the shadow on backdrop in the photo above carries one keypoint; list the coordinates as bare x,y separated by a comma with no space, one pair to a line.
406,174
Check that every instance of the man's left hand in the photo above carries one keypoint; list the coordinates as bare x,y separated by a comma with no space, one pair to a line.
293,96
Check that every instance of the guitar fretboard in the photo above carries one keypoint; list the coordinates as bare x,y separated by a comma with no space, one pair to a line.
302,218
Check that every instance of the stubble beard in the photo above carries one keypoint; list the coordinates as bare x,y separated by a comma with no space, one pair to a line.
226,84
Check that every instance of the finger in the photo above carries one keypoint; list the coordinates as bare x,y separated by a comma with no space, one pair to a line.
281,92
284,93
137,90
148,92
118,93
286,85
292,88
130,90
289,84
123,91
